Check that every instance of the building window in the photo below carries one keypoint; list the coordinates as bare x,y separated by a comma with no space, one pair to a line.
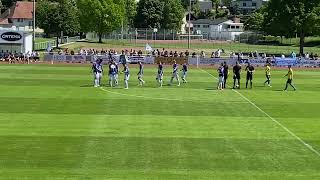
20,20
244,4
254,4
205,26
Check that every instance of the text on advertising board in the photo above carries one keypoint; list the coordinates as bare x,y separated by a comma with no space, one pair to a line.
11,36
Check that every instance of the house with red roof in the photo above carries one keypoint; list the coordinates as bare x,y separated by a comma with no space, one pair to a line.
19,16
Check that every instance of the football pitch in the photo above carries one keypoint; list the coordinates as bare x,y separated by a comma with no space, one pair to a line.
55,125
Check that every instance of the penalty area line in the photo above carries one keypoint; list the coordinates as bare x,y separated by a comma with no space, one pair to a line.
273,119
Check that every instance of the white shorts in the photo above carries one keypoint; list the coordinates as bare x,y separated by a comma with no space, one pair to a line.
127,77
175,75
112,77
160,76
140,75
97,75
184,73
221,79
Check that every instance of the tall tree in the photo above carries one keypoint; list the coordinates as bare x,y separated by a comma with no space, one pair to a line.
173,14
57,17
101,16
255,22
7,3
288,17
215,4
130,11
226,3
149,14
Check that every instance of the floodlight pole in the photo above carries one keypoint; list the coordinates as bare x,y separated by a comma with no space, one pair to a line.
189,24
34,25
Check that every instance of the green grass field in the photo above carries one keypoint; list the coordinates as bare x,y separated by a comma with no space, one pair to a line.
54,125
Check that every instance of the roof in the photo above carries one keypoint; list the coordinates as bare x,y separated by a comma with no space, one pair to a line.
4,21
209,21
22,10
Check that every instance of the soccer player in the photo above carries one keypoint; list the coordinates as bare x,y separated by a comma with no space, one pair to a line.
97,70
250,71
116,76
226,74
268,74
221,77
236,75
160,74
140,74
126,76
184,72
112,73
290,78
175,73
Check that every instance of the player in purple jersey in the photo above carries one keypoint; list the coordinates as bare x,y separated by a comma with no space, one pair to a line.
116,76
221,77
184,72
159,77
97,70
175,73
140,74
126,76
112,74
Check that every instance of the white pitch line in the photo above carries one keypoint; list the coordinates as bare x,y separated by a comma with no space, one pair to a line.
273,119
144,97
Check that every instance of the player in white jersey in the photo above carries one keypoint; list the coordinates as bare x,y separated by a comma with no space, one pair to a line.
126,76
116,76
160,74
97,70
175,73
112,74
140,74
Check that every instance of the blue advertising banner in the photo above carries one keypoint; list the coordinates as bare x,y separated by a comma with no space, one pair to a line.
286,61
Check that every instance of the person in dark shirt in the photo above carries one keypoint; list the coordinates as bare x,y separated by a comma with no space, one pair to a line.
140,74
184,72
187,53
250,71
160,74
226,74
236,75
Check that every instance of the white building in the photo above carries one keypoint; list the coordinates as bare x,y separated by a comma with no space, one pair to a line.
248,6
219,29
19,17
15,41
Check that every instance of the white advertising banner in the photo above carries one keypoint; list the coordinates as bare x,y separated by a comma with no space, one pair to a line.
11,37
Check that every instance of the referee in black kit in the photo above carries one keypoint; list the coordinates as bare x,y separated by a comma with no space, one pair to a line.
236,75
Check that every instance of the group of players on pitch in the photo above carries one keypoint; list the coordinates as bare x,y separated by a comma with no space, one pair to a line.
97,69
223,73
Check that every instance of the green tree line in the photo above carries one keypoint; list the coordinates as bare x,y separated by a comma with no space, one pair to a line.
287,18
104,16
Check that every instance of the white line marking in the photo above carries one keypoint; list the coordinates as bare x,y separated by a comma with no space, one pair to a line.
273,119
166,99
137,96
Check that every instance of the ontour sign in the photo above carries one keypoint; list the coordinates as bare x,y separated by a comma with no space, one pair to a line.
11,36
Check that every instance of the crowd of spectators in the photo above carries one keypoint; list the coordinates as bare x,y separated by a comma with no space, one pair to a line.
16,57
169,53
